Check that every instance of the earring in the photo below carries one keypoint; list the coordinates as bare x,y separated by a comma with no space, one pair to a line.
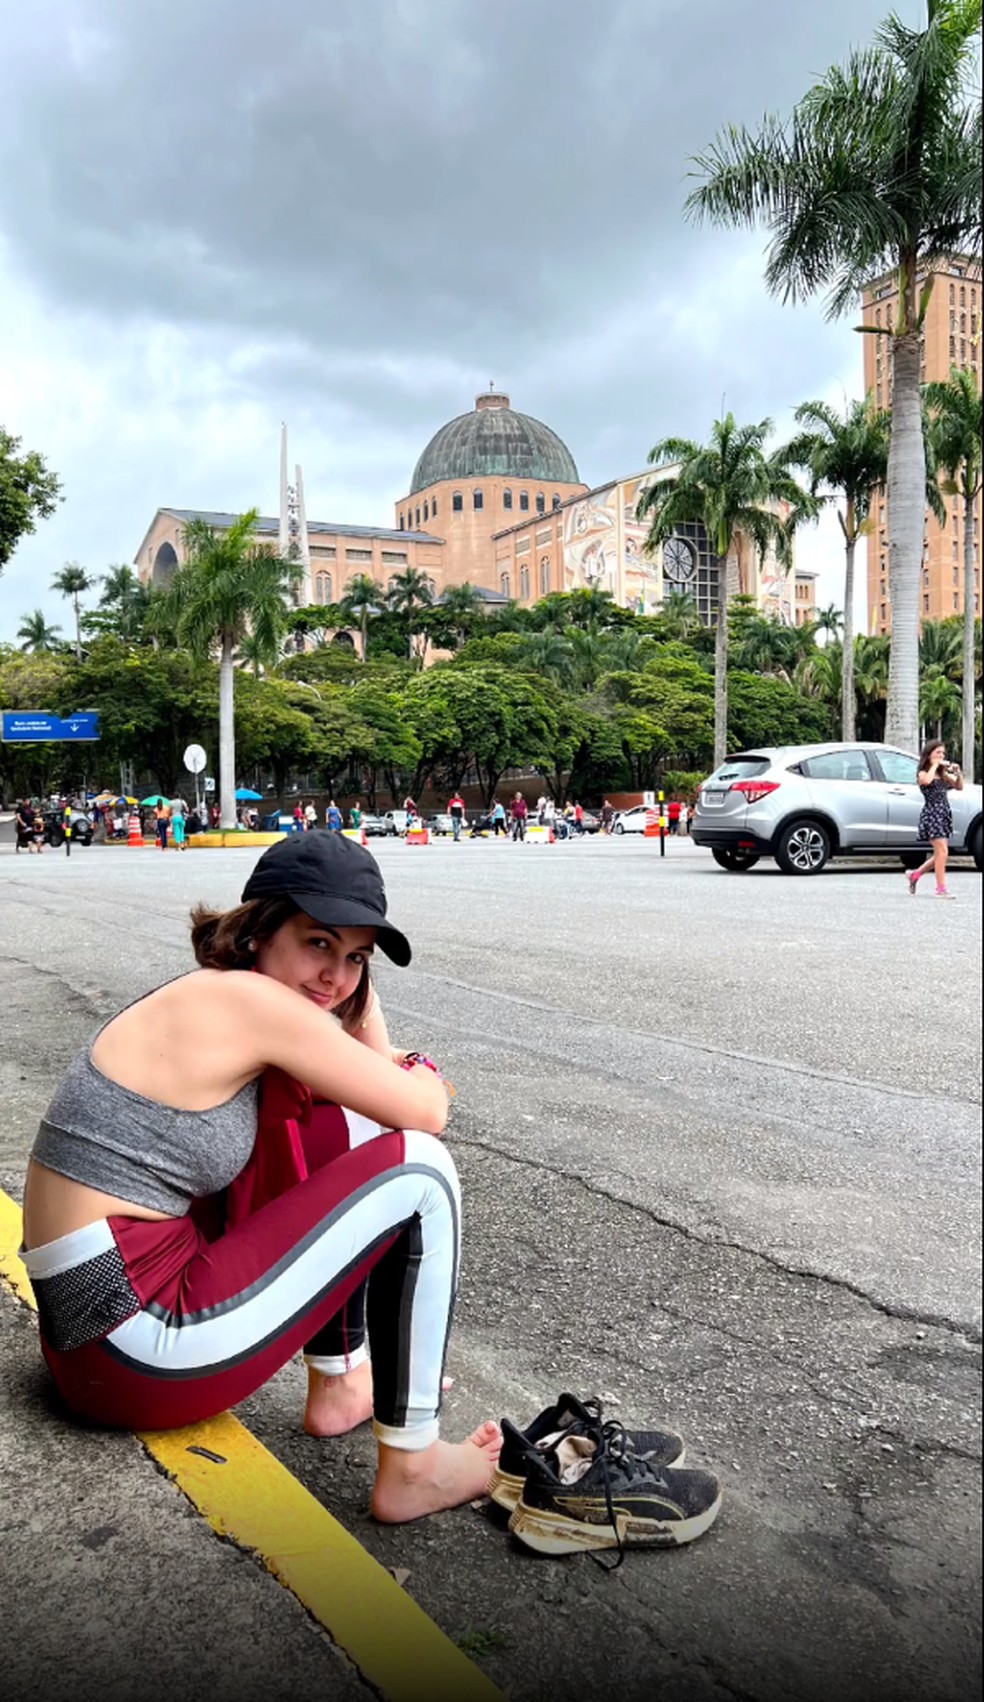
250,945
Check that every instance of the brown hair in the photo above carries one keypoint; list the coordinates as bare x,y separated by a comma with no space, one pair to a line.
929,747
226,939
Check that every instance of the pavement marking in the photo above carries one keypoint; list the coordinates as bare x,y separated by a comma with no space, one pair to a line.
246,1494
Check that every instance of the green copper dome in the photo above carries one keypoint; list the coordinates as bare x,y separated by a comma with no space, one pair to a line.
495,441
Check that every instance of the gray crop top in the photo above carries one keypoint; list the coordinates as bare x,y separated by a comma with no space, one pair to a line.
110,1138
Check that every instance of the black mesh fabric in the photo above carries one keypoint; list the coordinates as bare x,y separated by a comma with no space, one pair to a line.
85,1303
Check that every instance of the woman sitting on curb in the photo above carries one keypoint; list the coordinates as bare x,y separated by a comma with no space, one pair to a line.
178,1261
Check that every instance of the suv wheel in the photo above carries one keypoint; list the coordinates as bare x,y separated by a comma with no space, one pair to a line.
803,848
736,862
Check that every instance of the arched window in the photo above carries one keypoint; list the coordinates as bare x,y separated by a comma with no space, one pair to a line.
418,519
434,505
524,583
963,296
457,502
322,588
540,502
505,585
544,576
953,294
478,500
556,501
402,527
426,511
507,499
524,502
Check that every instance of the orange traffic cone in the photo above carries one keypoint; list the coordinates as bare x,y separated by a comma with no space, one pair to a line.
651,829
134,835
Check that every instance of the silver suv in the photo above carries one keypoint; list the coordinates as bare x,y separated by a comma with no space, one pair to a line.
808,803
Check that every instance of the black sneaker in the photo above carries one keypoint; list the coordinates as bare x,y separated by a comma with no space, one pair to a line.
661,1447
592,1492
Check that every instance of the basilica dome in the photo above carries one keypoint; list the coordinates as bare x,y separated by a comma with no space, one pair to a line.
494,442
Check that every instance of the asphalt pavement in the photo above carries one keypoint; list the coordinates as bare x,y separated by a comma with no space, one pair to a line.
719,1138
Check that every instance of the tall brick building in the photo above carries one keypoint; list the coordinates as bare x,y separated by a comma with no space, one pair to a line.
952,338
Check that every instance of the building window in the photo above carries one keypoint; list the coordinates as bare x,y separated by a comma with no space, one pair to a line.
418,519
505,585
956,550
358,555
926,605
507,499
524,584
541,504
556,501
956,600
457,502
322,588
478,500
884,613
544,576
434,506
402,527
394,558
524,502
426,511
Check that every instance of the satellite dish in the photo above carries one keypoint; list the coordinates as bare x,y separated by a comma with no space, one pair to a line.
195,759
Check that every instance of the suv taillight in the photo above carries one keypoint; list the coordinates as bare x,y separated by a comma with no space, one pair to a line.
756,790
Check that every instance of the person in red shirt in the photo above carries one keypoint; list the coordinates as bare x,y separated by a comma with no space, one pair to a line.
520,813
578,818
456,810
674,814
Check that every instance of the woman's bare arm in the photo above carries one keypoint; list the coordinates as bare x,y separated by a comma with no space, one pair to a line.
279,1026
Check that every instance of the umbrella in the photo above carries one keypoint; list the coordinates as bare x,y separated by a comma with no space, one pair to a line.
124,800
156,798
244,793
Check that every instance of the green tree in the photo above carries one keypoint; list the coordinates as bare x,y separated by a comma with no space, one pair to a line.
364,597
731,486
226,587
878,171
463,610
481,719
28,493
955,427
73,581
409,592
939,700
37,635
846,458
679,614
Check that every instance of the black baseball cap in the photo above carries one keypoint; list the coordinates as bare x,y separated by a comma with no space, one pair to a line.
334,880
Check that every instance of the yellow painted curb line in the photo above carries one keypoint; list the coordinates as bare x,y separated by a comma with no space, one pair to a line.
246,1494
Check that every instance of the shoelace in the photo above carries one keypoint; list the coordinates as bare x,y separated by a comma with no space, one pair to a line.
614,1449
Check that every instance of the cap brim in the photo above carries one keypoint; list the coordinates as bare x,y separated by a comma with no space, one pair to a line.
348,913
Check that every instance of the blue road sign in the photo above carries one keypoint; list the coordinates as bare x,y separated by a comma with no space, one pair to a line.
37,727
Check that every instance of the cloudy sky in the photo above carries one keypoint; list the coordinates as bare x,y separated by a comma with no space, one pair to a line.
351,215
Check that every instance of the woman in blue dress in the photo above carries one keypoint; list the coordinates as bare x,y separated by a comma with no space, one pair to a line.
937,778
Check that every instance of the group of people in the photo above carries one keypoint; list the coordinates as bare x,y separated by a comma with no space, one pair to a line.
306,816
29,827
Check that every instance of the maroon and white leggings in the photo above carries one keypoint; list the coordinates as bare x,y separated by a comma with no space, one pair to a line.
148,1326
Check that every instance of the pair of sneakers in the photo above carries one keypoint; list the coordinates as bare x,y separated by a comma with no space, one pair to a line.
573,1483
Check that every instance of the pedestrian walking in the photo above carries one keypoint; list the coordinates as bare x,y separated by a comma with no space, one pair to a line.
497,820
673,814
456,810
937,777
161,816
38,831
24,826
578,818
178,826
333,817
520,814
147,1321
355,815
607,816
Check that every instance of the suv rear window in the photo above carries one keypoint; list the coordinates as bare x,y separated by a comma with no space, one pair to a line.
739,768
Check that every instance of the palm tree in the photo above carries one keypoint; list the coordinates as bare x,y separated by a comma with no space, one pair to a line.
846,457
464,610
732,487
364,596
37,635
228,587
72,581
878,171
955,428
126,598
939,698
409,591
679,614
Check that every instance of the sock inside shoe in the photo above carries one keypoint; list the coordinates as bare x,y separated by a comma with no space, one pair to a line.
575,1456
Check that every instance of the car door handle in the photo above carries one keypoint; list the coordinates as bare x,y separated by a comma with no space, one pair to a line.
898,791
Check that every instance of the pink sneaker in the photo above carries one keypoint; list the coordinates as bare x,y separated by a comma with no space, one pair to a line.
941,892
913,881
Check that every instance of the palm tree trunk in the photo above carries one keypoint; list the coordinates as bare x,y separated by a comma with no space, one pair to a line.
969,751
721,665
365,631
906,511
848,702
227,734
78,629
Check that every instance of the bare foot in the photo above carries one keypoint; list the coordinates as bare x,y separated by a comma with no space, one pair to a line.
409,1486
336,1405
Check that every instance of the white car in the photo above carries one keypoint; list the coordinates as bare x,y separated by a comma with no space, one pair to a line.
633,820
396,821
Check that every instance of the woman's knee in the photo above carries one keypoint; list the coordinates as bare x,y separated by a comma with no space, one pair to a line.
432,1154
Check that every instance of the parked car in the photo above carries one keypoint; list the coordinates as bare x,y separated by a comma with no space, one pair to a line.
632,820
396,821
54,827
374,827
804,804
442,823
280,822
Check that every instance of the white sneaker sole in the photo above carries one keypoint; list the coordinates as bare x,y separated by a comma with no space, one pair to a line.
553,1533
